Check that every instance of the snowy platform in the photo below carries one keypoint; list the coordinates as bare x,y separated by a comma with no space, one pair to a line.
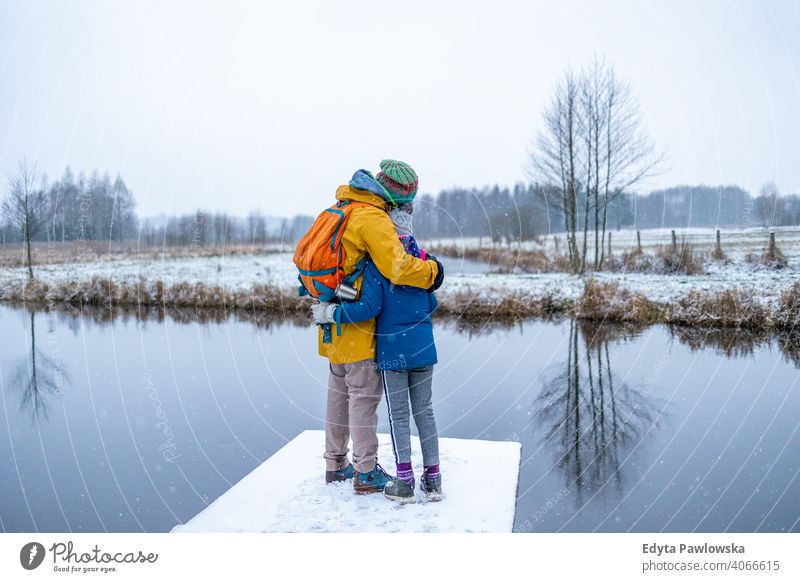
287,493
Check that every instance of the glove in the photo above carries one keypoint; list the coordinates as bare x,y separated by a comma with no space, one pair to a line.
323,312
437,282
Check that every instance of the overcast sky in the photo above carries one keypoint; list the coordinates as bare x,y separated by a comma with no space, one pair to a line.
271,105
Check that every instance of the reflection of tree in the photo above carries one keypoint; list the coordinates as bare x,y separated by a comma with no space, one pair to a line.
477,326
789,343
737,342
589,417
38,376
74,316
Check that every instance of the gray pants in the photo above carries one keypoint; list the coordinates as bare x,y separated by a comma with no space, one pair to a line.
354,392
400,386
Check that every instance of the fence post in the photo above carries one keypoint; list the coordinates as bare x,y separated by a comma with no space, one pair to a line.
674,242
772,243
719,246
639,240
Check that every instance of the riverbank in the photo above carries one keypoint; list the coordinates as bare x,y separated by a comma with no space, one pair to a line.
756,299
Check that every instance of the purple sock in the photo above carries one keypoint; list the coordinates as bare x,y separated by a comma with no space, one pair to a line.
432,470
405,472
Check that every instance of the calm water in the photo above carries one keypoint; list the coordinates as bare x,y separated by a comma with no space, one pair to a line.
116,424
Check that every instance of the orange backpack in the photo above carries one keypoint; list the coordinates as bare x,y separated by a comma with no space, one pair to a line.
320,256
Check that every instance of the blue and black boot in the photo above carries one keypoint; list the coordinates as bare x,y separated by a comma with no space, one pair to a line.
372,482
341,475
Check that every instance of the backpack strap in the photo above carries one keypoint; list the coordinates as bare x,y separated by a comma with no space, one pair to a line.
357,271
350,280
338,226
326,333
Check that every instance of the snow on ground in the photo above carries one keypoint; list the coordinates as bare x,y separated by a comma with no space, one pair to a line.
765,285
230,272
242,272
287,493
736,242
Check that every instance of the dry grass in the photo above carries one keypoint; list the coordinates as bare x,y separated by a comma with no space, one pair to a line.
788,316
772,258
102,292
514,306
600,302
684,260
609,302
719,255
728,308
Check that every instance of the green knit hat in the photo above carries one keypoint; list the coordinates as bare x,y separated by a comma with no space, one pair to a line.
399,179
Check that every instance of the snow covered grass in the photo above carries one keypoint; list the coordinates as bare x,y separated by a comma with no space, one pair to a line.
287,493
13,255
268,282
736,242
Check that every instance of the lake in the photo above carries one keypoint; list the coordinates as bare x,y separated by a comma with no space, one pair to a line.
117,421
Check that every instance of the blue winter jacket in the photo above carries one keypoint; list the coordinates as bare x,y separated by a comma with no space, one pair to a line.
404,332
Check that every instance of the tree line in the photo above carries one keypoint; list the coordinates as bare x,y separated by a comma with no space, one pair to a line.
99,208
95,207
503,214
203,228
68,209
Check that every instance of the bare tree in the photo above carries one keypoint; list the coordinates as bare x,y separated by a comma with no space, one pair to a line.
769,205
25,206
593,147
555,161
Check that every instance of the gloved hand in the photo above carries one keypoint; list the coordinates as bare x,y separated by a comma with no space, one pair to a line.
323,312
437,282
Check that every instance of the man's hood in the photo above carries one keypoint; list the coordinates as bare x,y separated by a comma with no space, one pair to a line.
363,180
364,188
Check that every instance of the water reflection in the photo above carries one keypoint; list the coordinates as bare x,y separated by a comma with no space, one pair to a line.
590,419
599,452
39,377
730,342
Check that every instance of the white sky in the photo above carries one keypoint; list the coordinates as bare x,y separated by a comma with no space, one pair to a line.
248,105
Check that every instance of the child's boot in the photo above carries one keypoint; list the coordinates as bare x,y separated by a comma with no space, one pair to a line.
402,488
431,483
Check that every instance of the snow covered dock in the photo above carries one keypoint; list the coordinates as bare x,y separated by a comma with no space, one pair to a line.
287,493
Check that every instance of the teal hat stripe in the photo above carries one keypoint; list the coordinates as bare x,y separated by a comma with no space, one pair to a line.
399,172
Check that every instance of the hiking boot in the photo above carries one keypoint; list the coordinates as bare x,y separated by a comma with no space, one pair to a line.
371,482
431,487
399,490
341,475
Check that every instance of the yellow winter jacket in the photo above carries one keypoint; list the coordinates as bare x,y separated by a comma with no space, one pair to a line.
371,232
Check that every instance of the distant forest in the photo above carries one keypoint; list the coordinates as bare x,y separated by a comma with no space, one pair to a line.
524,212
96,207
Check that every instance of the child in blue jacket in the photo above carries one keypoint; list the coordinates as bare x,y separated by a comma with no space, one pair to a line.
405,354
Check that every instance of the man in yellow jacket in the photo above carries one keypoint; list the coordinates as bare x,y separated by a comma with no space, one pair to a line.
354,387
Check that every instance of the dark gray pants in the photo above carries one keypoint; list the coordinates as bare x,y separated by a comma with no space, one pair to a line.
415,385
